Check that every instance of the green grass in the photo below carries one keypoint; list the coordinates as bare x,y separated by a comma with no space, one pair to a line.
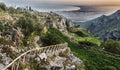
82,35
93,60
89,38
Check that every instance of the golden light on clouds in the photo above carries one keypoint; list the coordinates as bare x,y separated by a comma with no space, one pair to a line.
86,2
71,2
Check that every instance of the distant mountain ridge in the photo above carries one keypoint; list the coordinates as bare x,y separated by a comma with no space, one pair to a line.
105,27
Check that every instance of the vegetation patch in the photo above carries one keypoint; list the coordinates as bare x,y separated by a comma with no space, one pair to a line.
93,59
111,46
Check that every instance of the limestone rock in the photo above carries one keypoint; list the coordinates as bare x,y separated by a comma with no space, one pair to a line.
4,59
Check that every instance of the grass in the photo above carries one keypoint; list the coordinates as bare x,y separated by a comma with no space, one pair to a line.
90,39
80,35
93,60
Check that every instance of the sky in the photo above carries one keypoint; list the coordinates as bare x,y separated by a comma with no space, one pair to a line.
62,4
83,2
70,2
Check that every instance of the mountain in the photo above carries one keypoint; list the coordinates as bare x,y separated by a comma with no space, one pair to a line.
105,27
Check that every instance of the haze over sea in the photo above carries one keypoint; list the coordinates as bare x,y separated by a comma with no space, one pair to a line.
87,13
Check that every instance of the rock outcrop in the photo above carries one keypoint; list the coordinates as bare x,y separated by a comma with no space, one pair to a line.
60,22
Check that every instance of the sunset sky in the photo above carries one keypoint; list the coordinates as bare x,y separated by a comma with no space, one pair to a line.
84,2
75,2
63,4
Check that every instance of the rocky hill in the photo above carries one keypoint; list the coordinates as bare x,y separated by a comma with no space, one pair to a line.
23,29
105,27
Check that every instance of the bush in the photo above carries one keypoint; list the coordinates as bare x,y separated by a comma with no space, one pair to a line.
12,10
111,46
1,26
80,33
27,24
4,42
108,68
3,6
86,44
51,39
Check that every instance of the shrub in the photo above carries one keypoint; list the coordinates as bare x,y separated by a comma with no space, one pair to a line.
1,26
12,10
3,6
80,33
4,42
27,24
86,44
51,39
108,68
111,46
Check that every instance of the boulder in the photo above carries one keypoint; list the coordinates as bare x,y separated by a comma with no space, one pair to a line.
74,59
